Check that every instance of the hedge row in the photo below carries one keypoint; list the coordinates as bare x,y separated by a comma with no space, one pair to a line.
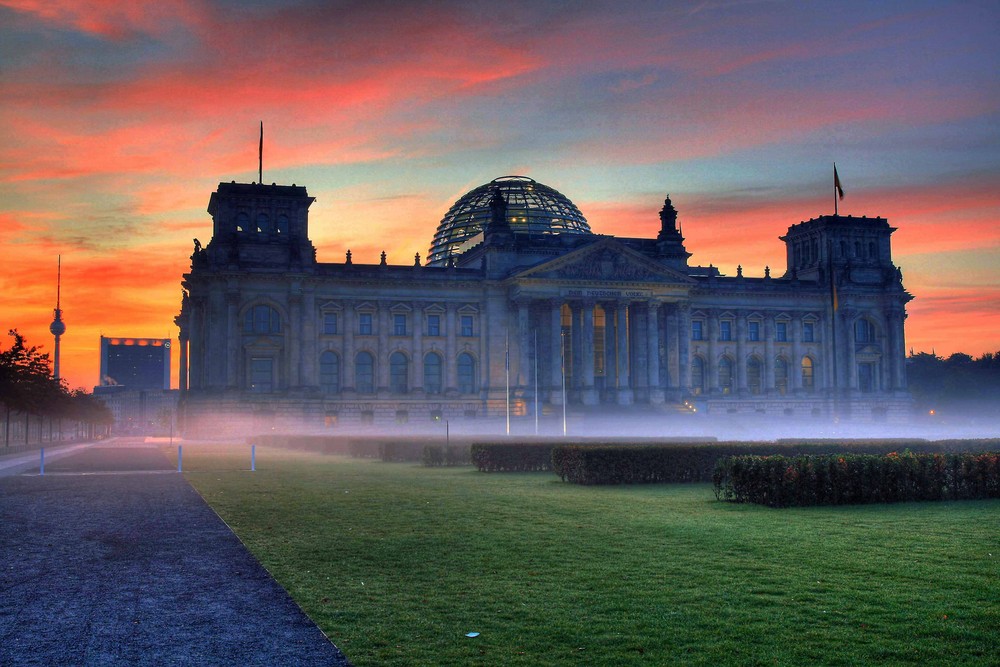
434,456
845,479
512,457
692,462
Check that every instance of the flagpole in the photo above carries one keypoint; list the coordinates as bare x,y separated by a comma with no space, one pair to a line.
260,156
562,361
836,205
536,381
506,364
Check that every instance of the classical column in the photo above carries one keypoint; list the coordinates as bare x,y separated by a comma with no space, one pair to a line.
347,352
769,353
309,340
653,351
741,354
523,344
450,351
233,339
712,381
898,351
293,337
382,353
795,366
182,380
416,352
625,395
196,358
576,343
555,351
684,347
589,393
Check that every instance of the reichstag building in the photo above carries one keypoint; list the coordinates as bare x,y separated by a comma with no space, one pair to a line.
520,304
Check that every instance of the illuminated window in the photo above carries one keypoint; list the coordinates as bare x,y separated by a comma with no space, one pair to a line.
242,222
282,226
808,380
263,223
329,372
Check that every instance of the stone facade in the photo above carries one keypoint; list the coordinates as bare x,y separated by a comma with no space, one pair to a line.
271,335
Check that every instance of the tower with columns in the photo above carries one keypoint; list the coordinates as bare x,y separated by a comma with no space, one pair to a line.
518,292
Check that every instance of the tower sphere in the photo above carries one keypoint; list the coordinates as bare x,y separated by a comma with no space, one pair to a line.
533,208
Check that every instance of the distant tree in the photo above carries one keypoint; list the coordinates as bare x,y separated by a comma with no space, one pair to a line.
959,380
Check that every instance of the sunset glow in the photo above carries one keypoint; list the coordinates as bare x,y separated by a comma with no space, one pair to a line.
118,120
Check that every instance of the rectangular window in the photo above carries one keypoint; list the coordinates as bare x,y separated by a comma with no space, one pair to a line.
781,332
753,331
365,324
399,325
808,332
261,375
433,325
696,330
725,330
329,323
466,325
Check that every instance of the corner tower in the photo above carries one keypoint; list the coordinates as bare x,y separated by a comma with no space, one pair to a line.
258,226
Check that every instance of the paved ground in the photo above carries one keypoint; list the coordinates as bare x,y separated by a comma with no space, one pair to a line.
112,558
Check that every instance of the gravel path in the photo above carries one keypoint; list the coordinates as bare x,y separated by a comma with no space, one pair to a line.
112,558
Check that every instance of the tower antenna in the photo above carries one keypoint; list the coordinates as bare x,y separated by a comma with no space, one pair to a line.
58,327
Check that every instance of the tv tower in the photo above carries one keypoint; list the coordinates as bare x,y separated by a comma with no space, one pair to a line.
58,327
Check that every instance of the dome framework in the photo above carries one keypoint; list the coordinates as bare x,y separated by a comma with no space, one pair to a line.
533,209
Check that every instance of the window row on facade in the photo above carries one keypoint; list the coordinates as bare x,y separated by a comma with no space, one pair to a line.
364,365
264,319
723,379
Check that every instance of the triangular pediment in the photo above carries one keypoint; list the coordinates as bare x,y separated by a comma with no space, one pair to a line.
606,260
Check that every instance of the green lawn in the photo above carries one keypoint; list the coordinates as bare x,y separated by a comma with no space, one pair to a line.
396,563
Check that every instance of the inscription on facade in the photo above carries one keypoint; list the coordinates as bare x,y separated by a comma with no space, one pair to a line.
586,293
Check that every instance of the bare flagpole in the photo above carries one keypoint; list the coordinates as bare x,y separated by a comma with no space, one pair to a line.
506,364
536,381
260,156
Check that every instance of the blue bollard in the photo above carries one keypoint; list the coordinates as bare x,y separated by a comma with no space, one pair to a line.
253,458
179,454
41,463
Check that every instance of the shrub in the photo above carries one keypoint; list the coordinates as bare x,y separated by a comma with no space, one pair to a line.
445,455
512,457
842,479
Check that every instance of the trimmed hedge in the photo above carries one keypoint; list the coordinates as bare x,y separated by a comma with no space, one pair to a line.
512,457
434,456
694,462
386,448
847,479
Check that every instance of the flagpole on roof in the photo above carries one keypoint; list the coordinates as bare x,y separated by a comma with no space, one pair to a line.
838,191
260,156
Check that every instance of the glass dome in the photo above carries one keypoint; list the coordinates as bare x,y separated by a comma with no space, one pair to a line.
533,209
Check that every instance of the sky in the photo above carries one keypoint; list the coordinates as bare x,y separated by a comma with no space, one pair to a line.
119,119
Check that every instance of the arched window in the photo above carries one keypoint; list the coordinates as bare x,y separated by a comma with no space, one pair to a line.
329,372
808,376
871,250
432,373
843,248
864,331
364,373
242,222
263,223
466,374
754,375
282,226
697,376
726,375
262,319
399,371
781,375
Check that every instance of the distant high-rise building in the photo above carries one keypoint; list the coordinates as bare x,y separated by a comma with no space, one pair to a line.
135,363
